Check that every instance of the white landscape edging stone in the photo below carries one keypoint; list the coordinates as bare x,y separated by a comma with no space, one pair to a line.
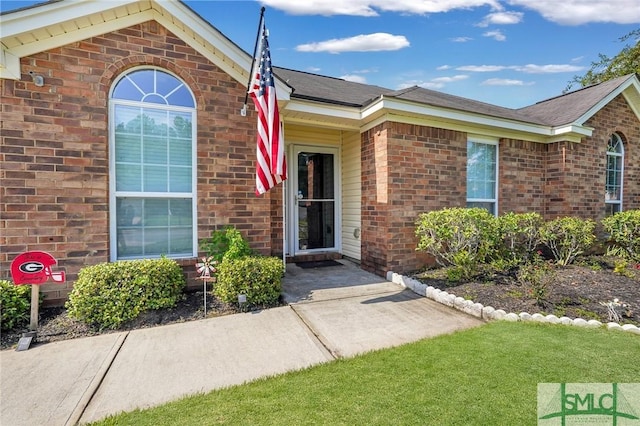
490,313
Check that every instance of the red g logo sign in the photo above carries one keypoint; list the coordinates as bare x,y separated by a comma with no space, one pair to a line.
34,267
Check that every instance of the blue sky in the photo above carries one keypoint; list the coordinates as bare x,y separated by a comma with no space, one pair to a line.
511,53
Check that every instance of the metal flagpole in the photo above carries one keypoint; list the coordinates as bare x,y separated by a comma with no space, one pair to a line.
243,111
284,209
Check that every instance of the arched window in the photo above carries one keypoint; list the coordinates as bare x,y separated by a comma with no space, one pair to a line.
152,166
614,179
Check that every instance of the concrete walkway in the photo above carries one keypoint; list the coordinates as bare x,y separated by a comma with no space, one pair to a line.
333,312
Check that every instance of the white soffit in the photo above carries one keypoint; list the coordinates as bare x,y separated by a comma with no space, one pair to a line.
53,25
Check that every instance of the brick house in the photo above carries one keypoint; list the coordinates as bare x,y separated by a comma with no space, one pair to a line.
122,138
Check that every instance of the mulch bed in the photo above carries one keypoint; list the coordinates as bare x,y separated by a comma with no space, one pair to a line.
54,324
574,291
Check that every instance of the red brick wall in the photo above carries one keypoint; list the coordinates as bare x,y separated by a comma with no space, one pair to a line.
521,176
407,170
54,179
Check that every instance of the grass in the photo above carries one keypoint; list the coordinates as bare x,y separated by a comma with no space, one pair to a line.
485,375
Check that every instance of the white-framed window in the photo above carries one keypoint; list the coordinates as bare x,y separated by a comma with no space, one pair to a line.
614,175
152,166
482,174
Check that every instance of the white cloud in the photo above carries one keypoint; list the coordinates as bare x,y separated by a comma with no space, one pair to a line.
449,79
354,78
314,69
461,39
481,68
496,35
505,82
434,83
371,7
360,43
501,18
528,69
443,67
546,69
577,12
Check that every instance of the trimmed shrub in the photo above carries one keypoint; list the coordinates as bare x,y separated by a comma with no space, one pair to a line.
15,304
520,237
226,243
568,237
257,277
462,237
624,231
108,294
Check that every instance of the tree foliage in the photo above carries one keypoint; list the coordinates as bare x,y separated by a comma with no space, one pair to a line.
627,61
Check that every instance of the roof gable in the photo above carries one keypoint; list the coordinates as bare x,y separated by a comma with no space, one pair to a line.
578,106
49,25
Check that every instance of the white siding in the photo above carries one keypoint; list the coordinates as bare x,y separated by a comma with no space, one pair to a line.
351,193
302,135
349,144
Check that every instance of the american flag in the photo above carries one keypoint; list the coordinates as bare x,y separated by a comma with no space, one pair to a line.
271,167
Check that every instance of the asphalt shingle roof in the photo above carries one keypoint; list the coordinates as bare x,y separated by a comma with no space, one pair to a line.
560,110
571,106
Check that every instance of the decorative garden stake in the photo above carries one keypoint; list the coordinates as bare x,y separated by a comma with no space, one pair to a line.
206,269
34,268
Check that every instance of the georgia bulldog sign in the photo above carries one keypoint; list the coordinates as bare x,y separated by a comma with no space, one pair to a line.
34,267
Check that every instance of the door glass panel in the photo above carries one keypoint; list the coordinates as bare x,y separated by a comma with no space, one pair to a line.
316,204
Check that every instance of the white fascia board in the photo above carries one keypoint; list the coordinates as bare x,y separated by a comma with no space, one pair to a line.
338,111
9,65
47,14
469,119
241,63
631,84
466,127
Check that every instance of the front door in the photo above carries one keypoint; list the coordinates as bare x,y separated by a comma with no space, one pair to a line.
315,199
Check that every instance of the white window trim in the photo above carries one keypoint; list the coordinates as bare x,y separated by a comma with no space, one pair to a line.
487,141
621,155
113,194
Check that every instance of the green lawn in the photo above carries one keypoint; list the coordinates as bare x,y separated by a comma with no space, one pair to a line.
486,375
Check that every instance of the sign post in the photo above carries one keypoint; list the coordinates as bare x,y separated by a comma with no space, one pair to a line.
34,268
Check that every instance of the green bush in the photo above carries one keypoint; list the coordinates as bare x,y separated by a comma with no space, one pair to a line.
462,237
257,277
567,238
519,236
108,294
15,304
226,243
624,231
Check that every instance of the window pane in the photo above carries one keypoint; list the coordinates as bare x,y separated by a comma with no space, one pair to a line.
481,171
180,240
155,179
155,212
155,122
180,125
155,150
180,152
490,207
180,212
128,177
128,148
143,80
156,241
180,179
181,97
